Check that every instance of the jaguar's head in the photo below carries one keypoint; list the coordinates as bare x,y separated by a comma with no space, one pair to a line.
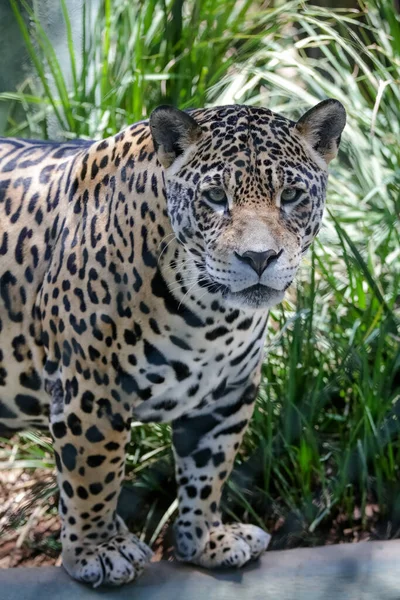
246,190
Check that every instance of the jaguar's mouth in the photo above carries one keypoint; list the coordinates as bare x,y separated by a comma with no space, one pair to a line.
255,296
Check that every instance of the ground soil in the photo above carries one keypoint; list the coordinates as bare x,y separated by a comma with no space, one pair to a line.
28,534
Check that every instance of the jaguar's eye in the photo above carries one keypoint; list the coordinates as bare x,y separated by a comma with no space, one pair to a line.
289,195
216,195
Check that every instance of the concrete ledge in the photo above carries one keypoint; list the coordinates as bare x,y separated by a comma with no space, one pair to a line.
364,571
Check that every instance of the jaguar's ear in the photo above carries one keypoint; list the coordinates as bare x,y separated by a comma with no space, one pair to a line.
173,131
322,127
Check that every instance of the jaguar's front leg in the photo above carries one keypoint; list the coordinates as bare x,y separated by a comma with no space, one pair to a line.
90,433
205,444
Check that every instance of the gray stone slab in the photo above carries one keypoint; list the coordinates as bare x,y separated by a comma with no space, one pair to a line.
365,571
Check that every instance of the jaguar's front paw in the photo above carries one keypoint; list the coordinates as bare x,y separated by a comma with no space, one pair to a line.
119,560
222,546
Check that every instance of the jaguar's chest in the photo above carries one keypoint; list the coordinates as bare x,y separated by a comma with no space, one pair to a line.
177,372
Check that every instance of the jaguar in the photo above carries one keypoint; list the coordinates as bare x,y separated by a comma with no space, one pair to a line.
136,276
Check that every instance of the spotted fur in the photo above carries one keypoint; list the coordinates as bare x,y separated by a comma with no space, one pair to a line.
136,275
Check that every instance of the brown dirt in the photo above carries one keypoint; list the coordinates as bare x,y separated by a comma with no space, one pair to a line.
28,534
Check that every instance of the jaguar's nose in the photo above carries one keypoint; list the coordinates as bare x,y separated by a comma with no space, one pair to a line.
259,261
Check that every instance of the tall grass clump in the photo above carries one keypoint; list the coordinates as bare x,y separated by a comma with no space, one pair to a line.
136,55
324,444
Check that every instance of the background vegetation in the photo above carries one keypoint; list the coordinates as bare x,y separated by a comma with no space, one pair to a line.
320,462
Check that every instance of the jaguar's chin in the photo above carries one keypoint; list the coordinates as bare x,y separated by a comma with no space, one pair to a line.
256,297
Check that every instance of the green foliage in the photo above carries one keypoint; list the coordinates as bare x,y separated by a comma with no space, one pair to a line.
138,55
325,434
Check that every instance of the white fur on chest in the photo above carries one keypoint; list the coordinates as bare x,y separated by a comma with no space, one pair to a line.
191,376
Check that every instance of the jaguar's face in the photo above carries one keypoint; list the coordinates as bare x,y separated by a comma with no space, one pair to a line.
245,191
